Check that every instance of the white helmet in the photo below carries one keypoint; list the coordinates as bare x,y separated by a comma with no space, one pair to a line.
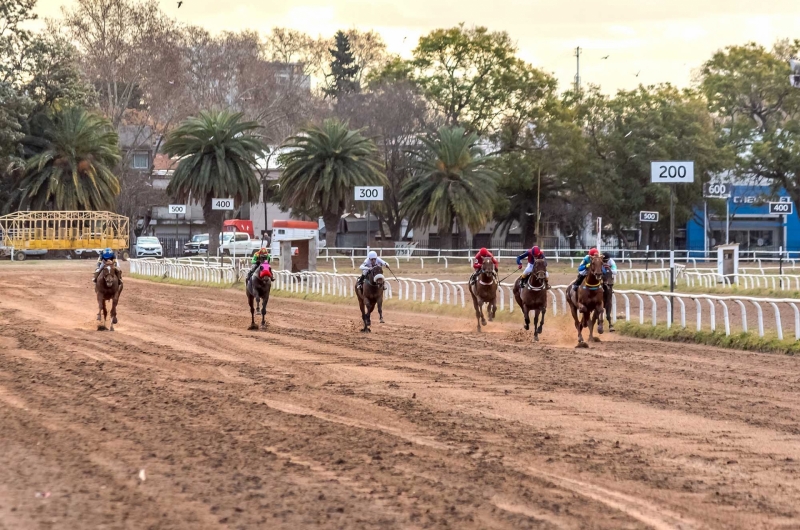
372,255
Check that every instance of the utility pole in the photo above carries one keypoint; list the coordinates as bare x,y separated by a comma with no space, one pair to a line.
578,72
538,214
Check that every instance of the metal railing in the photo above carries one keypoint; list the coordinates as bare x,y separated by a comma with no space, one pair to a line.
445,292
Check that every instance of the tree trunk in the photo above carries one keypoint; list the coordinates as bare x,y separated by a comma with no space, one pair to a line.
331,220
529,235
213,219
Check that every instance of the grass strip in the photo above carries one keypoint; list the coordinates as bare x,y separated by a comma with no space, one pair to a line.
738,341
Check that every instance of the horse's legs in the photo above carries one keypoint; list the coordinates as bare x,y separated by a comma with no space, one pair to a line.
250,299
370,308
264,313
99,306
541,324
526,315
598,316
114,302
478,311
363,315
380,309
595,316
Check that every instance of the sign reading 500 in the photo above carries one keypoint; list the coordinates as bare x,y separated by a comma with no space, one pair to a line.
673,172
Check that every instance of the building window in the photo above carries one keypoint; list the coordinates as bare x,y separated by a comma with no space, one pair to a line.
141,161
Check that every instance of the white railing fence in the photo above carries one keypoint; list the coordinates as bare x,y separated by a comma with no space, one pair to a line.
768,312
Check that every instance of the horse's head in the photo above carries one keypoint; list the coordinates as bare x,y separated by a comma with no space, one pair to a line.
265,271
596,267
487,266
376,276
108,275
539,269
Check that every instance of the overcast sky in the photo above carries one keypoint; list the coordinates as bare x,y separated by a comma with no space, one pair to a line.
664,41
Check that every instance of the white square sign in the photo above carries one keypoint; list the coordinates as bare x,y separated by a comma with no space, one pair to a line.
222,204
672,172
177,209
369,193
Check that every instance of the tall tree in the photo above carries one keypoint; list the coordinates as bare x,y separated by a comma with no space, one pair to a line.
74,153
757,112
218,152
321,167
344,70
473,76
452,184
394,113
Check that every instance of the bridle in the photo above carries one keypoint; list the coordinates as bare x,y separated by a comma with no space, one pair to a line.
539,276
371,276
485,272
591,273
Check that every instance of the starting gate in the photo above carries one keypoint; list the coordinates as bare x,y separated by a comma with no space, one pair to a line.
22,231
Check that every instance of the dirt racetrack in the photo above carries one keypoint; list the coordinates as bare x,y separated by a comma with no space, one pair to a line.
422,424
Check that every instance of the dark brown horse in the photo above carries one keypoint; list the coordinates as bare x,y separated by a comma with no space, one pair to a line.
107,287
588,302
608,281
370,296
258,288
484,291
533,297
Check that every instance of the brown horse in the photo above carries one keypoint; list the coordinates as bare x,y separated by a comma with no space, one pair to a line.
533,297
484,291
370,295
588,301
107,287
258,289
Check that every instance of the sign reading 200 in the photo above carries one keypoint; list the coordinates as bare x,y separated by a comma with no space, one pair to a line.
672,172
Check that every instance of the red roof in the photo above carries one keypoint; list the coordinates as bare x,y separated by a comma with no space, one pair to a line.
308,225
162,162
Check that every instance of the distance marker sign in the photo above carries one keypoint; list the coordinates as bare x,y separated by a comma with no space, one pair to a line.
672,172
177,209
222,204
369,193
648,217
781,208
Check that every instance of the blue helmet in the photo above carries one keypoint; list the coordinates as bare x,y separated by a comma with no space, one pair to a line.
108,254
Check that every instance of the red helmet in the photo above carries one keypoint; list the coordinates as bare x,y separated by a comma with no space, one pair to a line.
593,252
483,251
535,250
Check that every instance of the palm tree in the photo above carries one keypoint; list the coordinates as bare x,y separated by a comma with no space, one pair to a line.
218,153
321,167
451,184
70,162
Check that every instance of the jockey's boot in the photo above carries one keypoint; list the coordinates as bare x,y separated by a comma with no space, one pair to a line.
96,274
360,282
473,278
523,279
252,270
578,282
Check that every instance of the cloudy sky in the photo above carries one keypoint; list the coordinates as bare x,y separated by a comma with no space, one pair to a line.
660,40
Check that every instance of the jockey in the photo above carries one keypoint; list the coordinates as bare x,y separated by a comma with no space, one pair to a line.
372,261
107,255
533,254
477,263
609,266
260,256
582,267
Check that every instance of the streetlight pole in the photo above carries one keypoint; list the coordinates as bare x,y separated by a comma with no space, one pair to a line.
671,252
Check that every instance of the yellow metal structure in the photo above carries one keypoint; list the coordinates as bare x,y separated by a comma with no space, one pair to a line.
64,231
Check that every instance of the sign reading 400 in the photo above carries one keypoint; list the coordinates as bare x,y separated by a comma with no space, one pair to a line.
672,172
222,204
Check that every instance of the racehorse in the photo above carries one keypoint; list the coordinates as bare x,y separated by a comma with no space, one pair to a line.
588,301
107,287
608,280
370,295
258,288
533,297
484,291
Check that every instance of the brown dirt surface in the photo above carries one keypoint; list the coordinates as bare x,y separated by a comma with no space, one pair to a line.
421,424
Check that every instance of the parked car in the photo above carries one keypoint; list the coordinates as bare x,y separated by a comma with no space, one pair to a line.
148,247
197,246
238,244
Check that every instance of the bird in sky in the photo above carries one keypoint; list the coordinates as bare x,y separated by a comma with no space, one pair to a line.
606,57
637,73
180,4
